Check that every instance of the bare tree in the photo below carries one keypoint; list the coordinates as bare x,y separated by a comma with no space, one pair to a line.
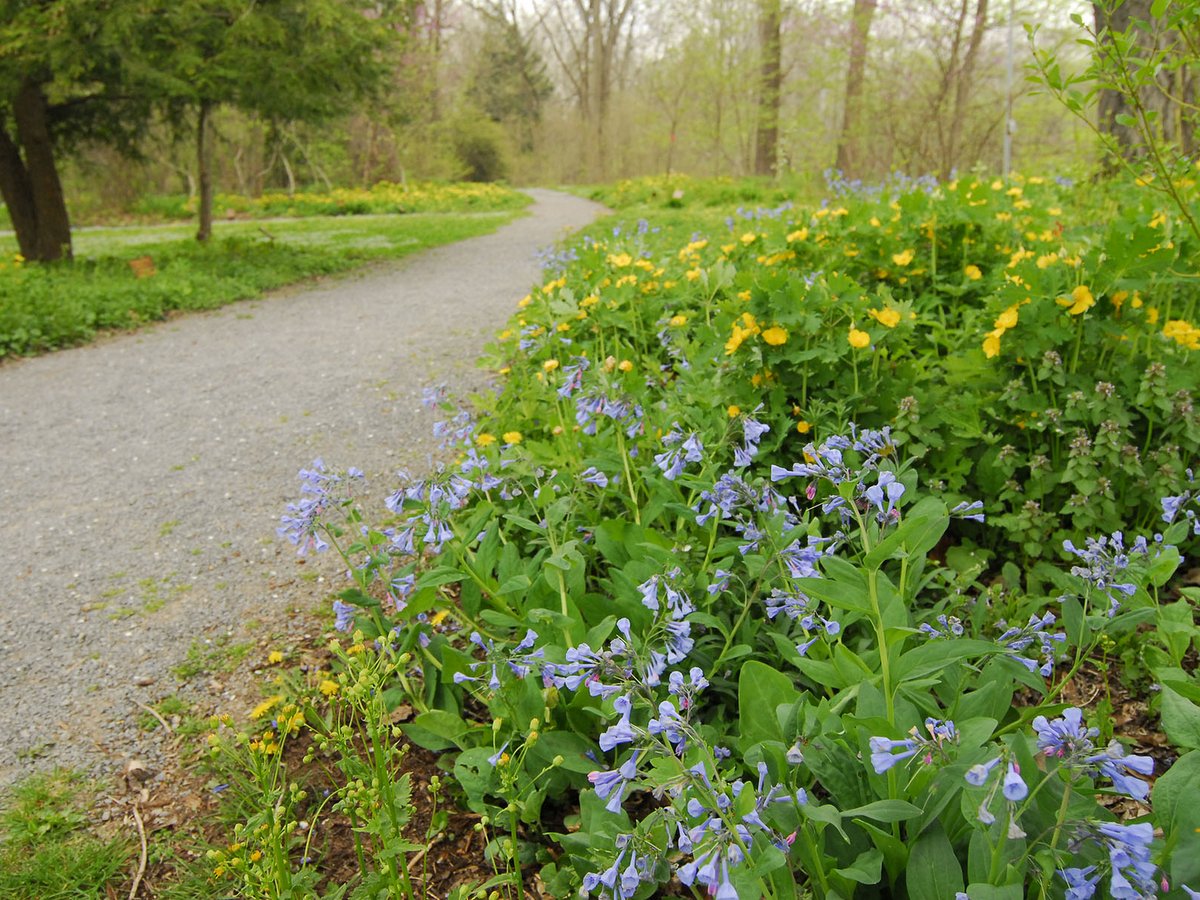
860,28
590,41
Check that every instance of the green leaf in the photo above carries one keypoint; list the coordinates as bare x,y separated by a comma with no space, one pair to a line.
1158,8
515,584
933,870
438,730
865,869
895,853
885,811
992,892
936,654
836,593
440,576
1180,720
761,689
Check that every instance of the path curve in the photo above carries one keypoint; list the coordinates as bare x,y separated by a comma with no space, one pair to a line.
142,477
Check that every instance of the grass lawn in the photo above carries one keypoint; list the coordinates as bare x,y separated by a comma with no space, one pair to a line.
46,307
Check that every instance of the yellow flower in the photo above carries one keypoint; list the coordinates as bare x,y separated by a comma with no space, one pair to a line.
619,260
903,258
1183,333
887,317
266,706
749,237
1158,219
679,320
1152,315
859,339
775,336
803,427
512,437
973,273
736,338
1055,210
274,657
799,235
505,370
875,223
550,365
734,411
991,344
1080,301
1047,260
744,296
1007,319
590,300
625,365
328,687
692,274
563,326
484,439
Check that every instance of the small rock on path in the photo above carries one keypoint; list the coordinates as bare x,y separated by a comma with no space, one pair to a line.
142,477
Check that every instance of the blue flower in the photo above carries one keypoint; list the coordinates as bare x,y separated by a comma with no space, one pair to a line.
344,614
978,774
882,757
1015,788
1081,883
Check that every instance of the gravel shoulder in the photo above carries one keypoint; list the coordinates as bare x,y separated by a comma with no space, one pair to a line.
142,478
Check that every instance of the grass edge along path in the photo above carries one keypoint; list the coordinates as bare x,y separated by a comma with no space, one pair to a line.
135,277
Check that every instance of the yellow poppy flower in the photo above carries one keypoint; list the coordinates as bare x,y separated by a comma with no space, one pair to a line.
859,339
991,344
550,365
775,336
512,437
887,317
734,411
903,258
803,427
973,273
679,320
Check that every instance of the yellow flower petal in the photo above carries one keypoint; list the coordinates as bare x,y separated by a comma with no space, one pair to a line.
775,336
512,437
903,258
859,339
973,273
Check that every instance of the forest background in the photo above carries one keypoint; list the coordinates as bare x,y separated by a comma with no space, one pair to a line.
138,102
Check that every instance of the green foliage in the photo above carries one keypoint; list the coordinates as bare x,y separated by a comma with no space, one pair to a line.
478,145
46,307
795,633
46,851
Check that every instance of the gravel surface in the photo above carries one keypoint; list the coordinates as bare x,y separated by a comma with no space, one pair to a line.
142,479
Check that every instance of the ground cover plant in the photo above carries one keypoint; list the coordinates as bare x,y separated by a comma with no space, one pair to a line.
124,277
776,563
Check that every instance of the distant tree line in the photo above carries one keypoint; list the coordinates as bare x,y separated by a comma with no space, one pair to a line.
104,100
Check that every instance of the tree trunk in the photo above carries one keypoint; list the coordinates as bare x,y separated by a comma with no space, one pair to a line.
17,196
1113,103
962,87
52,234
204,167
848,160
766,145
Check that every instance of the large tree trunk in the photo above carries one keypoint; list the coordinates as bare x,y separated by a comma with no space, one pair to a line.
42,193
204,166
848,160
766,145
17,195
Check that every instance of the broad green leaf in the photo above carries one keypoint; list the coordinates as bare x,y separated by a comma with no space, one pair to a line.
761,689
1180,720
933,870
865,869
885,811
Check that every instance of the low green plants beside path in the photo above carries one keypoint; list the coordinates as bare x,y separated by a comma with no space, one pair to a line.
125,277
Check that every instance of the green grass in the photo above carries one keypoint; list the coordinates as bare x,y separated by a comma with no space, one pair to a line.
46,307
46,850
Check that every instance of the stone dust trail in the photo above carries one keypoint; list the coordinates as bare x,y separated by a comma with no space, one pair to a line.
142,477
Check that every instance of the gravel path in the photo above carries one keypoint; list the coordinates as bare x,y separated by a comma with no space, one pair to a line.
142,478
